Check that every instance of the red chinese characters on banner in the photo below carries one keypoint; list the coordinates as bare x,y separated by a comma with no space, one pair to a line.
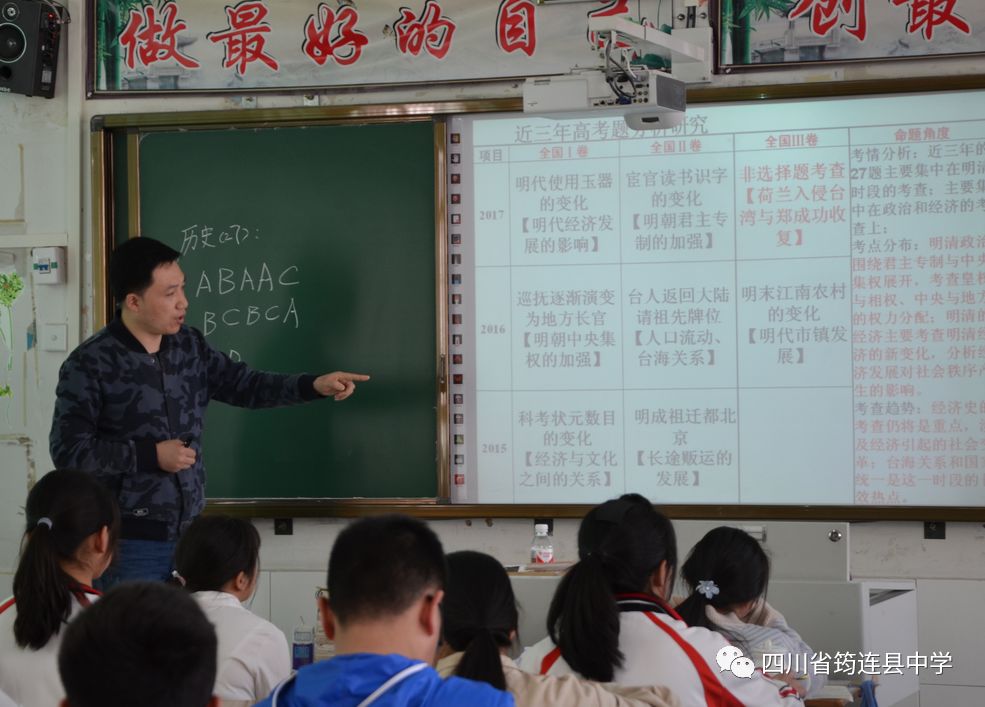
244,37
825,14
151,39
430,32
927,14
334,35
516,26
612,9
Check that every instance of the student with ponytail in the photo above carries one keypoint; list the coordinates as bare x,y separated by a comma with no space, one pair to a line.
480,620
728,572
72,528
610,621
218,560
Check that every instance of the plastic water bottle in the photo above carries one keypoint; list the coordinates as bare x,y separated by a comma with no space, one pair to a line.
303,646
542,547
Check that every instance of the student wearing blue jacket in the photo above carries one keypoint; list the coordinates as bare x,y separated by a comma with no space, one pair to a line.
386,578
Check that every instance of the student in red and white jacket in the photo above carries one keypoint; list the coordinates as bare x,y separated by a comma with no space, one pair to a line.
609,620
72,526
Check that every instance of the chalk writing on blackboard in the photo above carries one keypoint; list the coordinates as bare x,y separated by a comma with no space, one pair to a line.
232,282
198,236
219,284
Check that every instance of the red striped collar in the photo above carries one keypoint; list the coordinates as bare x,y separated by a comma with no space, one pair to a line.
627,602
549,660
79,587
716,694
80,591
640,601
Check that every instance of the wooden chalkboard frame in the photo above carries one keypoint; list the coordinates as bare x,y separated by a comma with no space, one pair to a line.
106,128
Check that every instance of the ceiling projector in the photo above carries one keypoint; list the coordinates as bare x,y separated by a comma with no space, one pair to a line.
647,99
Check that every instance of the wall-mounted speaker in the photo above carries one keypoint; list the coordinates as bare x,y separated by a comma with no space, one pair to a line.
30,32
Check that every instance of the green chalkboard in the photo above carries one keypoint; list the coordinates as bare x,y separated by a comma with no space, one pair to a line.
309,249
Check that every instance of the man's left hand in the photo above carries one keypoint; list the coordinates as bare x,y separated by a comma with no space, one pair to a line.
340,385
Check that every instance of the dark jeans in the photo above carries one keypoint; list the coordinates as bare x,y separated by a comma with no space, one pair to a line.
149,560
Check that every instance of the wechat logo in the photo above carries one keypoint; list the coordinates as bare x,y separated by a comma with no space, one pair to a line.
730,658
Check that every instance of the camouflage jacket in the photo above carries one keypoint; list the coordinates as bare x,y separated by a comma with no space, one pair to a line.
115,402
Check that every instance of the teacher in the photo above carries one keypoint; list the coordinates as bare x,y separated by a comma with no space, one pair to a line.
131,400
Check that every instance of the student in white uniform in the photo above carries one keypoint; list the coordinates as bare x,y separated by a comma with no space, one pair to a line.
609,619
728,572
479,621
218,559
72,526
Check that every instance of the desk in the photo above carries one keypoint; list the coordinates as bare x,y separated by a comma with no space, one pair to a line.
831,696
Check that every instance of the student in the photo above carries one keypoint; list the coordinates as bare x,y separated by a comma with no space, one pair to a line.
131,400
218,559
386,578
480,622
144,644
72,524
609,619
728,572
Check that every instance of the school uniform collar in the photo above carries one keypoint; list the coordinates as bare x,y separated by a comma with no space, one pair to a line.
80,591
83,592
645,602
446,666
119,331
220,598
85,588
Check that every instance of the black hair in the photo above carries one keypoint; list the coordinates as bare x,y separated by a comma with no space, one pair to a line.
132,265
144,644
735,562
479,615
620,544
214,549
380,566
62,510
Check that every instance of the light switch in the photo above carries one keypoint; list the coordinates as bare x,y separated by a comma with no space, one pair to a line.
54,337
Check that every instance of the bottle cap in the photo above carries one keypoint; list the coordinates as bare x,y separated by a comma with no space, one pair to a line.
540,528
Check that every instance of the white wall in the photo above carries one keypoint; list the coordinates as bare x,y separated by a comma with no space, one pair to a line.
297,563
44,175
